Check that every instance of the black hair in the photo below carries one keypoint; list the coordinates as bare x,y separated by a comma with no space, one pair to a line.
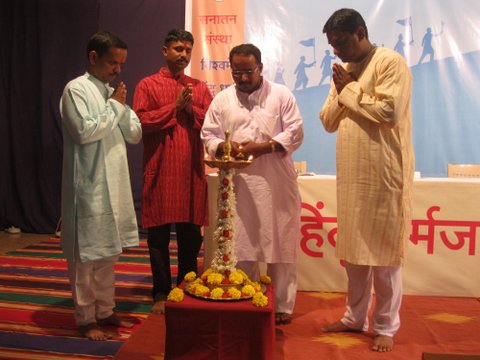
345,20
178,35
102,41
246,49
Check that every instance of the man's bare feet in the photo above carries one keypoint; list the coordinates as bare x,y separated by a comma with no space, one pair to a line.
382,343
158,307
115,320
338,326
94,332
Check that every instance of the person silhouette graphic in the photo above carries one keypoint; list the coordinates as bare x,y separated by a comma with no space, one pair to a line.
326,66
302,79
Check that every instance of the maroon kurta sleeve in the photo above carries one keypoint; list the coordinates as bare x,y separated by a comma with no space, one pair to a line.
147,103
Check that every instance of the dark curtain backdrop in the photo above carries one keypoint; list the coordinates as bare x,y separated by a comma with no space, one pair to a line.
42,48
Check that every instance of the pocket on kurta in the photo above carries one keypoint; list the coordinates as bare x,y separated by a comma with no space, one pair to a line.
267,124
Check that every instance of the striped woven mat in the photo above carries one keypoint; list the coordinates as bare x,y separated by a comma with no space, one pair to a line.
36,307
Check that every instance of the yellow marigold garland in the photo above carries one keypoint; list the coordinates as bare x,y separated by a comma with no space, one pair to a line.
176,295
238,277
201,290
234,293
265,279
259,300
248,290
214,278
190,276
216,293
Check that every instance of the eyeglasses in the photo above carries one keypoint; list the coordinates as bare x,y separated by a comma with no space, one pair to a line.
239,73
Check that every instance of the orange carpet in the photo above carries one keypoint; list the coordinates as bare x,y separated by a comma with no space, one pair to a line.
431,326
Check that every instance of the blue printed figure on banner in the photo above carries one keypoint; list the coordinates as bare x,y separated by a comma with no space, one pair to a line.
427,44
279,74
326,66
302,78
400,45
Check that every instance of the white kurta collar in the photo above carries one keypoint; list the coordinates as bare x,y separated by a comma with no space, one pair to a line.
104,88
249,101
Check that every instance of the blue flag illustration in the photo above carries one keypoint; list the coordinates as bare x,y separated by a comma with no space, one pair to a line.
308,42
405,22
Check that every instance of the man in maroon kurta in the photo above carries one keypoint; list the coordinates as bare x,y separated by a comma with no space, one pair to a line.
171,107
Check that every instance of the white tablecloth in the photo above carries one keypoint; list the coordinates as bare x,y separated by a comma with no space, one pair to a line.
442,255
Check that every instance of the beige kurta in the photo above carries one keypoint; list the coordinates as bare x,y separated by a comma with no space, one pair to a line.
375,160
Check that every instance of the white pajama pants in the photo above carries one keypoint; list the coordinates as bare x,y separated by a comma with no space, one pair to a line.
387,282
284,280
93,288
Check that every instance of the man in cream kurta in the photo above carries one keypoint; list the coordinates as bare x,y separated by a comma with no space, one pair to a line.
98,216
265,122
369,107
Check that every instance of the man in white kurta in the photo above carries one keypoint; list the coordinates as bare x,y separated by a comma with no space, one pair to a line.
98,216
265,122
369,107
